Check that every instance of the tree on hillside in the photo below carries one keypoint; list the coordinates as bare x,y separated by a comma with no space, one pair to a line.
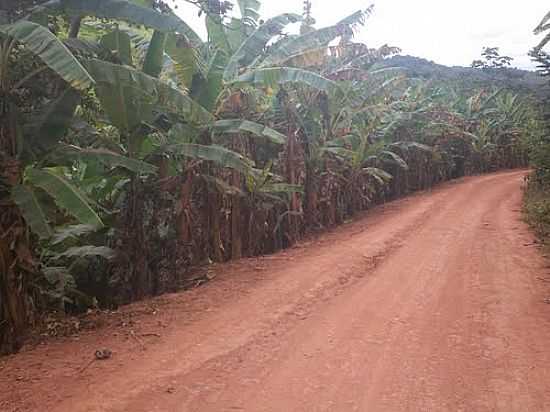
492,59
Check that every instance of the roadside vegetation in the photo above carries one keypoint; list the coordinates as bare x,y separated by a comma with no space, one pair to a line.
537,193
132,150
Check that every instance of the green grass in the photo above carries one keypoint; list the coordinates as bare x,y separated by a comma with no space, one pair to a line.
537,209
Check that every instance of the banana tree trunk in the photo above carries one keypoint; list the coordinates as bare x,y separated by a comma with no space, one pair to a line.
74,28
311,194
292,233
333,204
236,223
185,210
215,226
16,264
16,260
291,166
253,223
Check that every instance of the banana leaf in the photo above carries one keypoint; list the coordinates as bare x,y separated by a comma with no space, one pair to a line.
25,198
51,50
65,195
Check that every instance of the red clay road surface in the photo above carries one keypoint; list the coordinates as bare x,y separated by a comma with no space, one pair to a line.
432,303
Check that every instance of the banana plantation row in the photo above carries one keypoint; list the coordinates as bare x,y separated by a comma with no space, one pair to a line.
132,151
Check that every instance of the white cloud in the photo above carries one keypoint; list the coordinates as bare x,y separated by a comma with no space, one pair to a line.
446,31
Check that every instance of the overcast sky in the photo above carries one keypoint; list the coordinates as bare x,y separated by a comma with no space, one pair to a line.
449,32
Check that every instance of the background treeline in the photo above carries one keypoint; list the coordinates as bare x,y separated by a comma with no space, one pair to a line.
131,150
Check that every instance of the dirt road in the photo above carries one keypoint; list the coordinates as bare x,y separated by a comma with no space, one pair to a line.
432,303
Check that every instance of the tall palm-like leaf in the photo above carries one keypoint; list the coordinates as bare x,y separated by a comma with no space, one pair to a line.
276,76
125,11
108,158
249,11
65,195
186,59
154,59
45,45
120,82
543,26
245,126
25,198
255,44
44,128
119,43
315,39
217,154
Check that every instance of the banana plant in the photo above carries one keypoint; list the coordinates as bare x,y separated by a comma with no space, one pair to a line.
268,199
49,123
21,202
367,164
40,172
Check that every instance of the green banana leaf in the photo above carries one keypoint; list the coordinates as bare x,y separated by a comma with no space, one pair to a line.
255,44
123,85
313,40
44,129
241,126
187,60
125,11
65,195
25,198
71,232
217,35
154,59
381,176
274,76
281,188
110,159
85,251
44,44
217,154
250,11
120,43
394,158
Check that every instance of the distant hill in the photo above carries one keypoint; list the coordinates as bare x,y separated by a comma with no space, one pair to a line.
508,77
